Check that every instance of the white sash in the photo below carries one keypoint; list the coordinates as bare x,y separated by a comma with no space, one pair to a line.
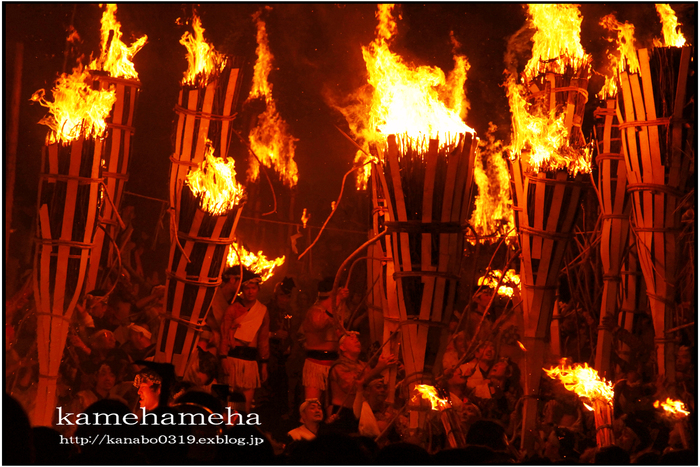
250,323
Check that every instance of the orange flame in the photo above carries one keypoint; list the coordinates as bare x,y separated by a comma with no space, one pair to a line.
270,139
418,101
670,25
204,62
115,57
214,182
671,407
541,138
557,39
582,380
77,109
520,344
510,282
493,207
258,264
628,59
430,393
305,216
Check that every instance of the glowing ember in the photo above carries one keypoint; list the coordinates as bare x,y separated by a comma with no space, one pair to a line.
582,380
204,62
557,39
588,407
520,344
430,393
77,109
214,182
493,207
671,407
670,25
510,282
418,101
257,263
115,57
305,216
270,139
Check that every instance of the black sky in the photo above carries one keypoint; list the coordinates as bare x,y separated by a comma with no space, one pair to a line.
317,49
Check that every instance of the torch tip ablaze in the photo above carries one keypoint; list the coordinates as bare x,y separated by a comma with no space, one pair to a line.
672,407
204,63
257,263
214,183
582,380
115,57
670,27
429,393
77,109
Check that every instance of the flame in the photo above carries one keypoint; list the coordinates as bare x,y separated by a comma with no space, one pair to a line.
402,98
557,39
305,216
671,407
493,208
258,264
115,57
520,344
628,59
541,138
582,380
214,182
670,25
430,393
588,407
270,139
77,109
203,61
510,282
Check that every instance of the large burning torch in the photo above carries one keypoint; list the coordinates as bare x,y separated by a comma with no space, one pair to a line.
205,198
412,118
114,69
67,205
586,383
657,121
549,159
209,208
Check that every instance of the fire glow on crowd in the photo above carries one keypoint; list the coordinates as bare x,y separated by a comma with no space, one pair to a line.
474,226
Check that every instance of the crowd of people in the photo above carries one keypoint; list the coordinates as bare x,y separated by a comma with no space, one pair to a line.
321,393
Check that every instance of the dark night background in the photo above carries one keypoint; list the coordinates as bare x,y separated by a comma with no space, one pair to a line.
317,49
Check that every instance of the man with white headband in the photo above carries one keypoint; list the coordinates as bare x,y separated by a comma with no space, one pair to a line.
245,337
322,333
311,413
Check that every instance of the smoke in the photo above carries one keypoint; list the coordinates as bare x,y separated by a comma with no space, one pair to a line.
518,49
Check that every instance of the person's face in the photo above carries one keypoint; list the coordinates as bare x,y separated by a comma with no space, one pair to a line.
627,439
377,390
148,398
105,378
499,370
459,342
105,340
487,353
352,344
97,309
313,412
250,291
